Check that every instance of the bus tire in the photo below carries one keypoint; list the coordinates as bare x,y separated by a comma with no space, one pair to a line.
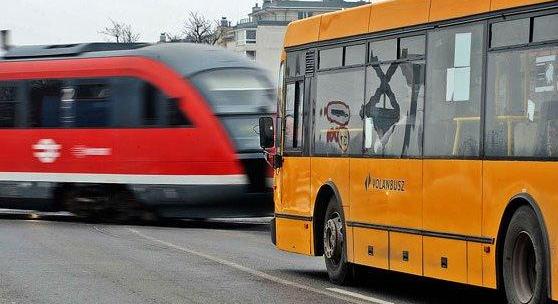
524,260
339,270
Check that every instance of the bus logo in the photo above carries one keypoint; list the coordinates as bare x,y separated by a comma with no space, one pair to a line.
374,183
47,151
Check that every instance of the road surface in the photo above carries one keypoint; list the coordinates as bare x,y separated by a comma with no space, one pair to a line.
57,259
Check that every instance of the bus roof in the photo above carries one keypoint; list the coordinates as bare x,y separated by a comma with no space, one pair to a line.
388,15
187,59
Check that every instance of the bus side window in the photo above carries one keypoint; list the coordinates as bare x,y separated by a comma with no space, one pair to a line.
293,116
521,104
454,90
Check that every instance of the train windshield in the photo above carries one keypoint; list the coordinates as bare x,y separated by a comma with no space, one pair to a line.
237,90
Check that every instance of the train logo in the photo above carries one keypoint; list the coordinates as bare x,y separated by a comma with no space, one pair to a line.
47,151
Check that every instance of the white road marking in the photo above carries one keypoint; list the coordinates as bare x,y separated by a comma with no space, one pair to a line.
253,272
359,296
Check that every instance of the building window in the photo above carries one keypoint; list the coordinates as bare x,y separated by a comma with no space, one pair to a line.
521,107
250,36
452,120
251,54
302,15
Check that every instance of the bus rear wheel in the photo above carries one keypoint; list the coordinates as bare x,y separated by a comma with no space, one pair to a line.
524,260
339,270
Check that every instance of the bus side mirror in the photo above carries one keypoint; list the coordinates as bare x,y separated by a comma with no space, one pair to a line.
266,132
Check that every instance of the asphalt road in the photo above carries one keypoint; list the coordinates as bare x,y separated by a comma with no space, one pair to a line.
56,259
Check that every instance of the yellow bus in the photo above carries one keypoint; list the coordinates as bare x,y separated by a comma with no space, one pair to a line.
421,136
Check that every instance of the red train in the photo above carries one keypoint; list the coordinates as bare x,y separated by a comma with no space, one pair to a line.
112,130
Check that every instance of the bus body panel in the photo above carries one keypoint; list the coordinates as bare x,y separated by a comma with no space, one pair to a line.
354,22
295,179
504,180
381,18
386,192
453,196
445,259
333,171
443,9
370,247
503,4
301,32
294,235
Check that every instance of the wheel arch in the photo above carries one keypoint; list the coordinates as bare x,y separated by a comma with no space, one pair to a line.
326,192
515,203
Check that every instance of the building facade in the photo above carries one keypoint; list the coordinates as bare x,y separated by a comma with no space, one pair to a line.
261,35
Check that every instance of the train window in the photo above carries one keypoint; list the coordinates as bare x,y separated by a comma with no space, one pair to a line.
521,104
355,55
45,104
455,76
8,105
150,98
174,115
92,106
412,47
514,32
385,50
331,58
545,28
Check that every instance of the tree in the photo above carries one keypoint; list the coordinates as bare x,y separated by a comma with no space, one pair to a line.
120,32
199,29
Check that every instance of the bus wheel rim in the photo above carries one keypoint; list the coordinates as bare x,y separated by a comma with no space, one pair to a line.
333,238
524,268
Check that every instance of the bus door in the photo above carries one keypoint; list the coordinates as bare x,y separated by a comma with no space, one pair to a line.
293,212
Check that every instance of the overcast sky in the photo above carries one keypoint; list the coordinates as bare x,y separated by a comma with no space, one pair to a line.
65,21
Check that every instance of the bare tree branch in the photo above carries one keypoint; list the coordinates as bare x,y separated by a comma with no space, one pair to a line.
120,32
199,29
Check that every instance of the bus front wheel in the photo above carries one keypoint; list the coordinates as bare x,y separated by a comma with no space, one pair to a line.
339,270
524,260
